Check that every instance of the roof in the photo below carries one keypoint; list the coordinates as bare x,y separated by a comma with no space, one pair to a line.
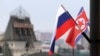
20,12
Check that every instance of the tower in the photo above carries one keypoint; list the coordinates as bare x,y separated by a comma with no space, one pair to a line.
19,27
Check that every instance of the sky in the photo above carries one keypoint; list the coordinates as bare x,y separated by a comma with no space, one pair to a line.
42,12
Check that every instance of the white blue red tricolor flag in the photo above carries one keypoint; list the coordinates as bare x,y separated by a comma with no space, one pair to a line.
64,23
75,33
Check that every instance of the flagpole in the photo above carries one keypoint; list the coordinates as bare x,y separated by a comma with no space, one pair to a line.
83,33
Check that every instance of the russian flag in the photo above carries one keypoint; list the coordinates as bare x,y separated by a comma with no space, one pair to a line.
75,33
64,23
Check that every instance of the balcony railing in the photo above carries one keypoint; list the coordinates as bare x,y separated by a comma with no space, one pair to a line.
22,25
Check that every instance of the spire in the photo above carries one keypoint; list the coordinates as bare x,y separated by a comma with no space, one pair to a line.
20,13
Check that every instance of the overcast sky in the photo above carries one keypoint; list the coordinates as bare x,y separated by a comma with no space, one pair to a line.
42,12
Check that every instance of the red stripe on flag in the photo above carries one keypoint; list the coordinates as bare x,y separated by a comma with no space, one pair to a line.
66,26
50,53
71,39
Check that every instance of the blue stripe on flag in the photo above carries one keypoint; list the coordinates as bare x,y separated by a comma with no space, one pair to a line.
80,36
52,46
63,18
80,11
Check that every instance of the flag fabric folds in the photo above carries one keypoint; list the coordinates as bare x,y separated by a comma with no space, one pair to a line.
82,21
64,23
51,51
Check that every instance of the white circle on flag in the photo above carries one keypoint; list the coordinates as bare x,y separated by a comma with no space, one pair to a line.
81,23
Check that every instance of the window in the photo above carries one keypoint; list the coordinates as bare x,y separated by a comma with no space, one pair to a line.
18,31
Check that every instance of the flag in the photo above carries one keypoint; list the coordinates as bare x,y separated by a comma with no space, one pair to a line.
84,26
82,21
52,48
64,23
